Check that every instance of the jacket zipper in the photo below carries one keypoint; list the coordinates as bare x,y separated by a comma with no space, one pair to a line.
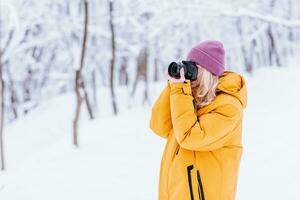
200,186
189,169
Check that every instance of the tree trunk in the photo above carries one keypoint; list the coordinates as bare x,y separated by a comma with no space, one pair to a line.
142,72
123,74
247,56
273,46
87,101
78,87
112,62
26,91
13,94
156,69
48,68
94,88
2,87
273,53
79,84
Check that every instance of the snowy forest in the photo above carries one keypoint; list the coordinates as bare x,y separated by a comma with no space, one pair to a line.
80,63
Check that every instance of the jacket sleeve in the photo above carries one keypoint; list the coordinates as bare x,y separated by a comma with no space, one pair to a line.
160,121
208,132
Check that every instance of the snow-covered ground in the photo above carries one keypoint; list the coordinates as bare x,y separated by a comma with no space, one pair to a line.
119,157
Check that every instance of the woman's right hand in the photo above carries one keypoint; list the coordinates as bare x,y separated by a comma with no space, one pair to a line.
195,84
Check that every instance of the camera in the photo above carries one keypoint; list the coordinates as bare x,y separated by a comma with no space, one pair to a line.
190,70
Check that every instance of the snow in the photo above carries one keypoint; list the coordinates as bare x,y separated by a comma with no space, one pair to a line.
251,14
270,164
119,157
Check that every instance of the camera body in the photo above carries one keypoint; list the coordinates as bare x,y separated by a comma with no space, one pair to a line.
190,70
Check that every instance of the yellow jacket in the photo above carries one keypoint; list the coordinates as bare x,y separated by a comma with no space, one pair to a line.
203,150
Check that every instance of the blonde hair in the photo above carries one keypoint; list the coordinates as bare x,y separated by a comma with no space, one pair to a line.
206,90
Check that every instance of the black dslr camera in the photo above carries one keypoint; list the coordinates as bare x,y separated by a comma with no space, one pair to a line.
190,70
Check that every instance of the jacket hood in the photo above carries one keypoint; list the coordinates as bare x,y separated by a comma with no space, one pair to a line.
234,84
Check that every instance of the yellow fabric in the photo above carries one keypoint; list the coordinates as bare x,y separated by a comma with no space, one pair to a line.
203,150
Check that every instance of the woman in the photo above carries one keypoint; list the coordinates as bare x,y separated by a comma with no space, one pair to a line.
202,122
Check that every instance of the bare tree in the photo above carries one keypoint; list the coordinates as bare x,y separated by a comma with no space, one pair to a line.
81,93
113,59
94,89
123,74
141,73
273,51
156,60
2,87
13,95
247,55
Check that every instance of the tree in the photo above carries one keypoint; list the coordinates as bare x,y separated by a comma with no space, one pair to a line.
81,93
2,87
113,58
141,73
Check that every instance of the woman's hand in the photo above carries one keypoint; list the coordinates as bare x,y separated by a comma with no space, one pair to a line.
179,80
195,84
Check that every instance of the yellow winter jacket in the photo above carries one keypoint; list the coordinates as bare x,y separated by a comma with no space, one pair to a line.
203,150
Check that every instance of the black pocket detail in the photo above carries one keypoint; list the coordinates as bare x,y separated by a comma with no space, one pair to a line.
189,169
200,186
177,150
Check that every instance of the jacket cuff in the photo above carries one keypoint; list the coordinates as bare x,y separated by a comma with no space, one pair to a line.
181,88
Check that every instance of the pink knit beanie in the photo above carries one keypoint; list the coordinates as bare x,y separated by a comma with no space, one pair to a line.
209,55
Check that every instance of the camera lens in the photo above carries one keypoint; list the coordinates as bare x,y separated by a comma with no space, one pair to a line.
174,70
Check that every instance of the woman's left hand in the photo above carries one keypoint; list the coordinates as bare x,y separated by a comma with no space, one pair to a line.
179,80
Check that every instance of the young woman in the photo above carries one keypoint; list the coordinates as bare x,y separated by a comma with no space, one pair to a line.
202,122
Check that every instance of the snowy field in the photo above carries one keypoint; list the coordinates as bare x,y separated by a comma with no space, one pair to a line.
119,157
